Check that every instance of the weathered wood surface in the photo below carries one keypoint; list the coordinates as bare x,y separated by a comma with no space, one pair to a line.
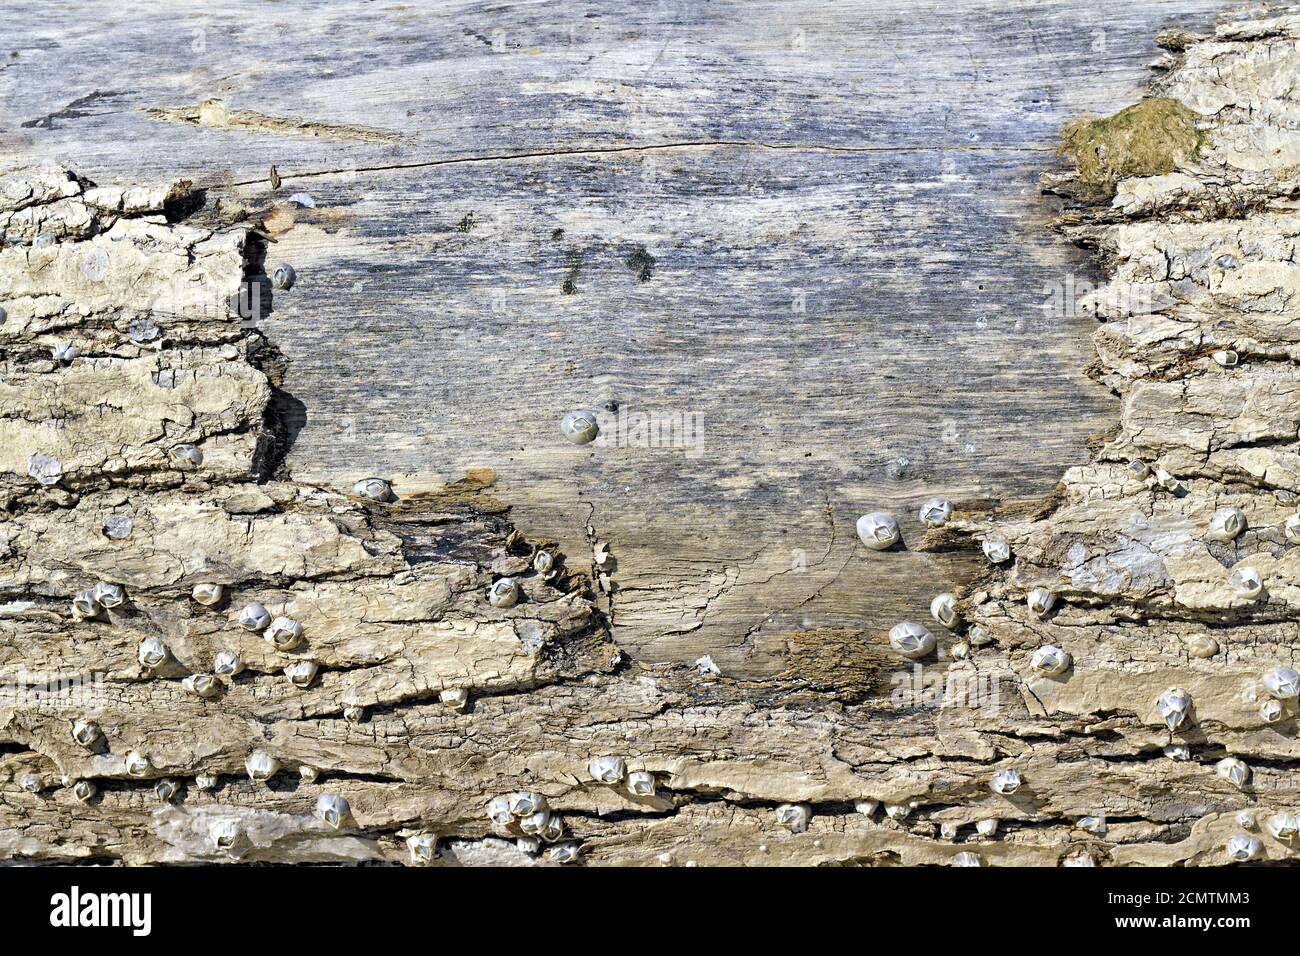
392,596
850,260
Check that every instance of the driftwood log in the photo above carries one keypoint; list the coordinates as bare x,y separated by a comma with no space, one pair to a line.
175,415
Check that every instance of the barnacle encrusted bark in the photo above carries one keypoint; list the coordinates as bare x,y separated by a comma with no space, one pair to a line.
430,705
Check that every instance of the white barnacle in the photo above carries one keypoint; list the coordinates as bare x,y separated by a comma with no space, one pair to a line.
423,848
936,512
207,594
1225,357
137,764
187,456
1005,782
1225,524
898,811
84,606
354,714
1139,469
118,527
1243,847
528,844
166,790
944,610
376,489
30,782
301,673
609,770
261,766
206,781
457,698
308,774
84,791
1167,481
87,733
64,351
960,651
554,829
1283,683
227,664
1201,646
967,858
1095,825
228,836
504,593
866,807
284,277
45,469
498,811
1178,752
1246,819
563,853
202,685
580,427
794,816
1081,858
254,617
948,831
1233,770
641,783
535,823
1050,661
878,530
525,803
1173,706
979,635
1283,826
987,827
911,639
1040,601
707,667
1271,711
996,550
543,562
284,634
1246,582
332,809
1291,528
108,595
152,653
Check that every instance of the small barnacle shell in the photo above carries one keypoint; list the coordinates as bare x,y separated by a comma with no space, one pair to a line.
301,673
1283,826
137,764
960,651
944,610
936,512
284,277
84,791
878,530
1225,357
987,827
308,774
1283,683
794,816
897,811
206,781
1271,711
261,766
1139,469
528,844
641,783
118,527
187,455
423,848
284,634
564,853
996,550
1173,706
376,489
1005,782
866,807
45,469
207,594
525,803
203,685
1233,770
1292,528
503,593
1050,661
354,714
30,782
254,617
535,823
1167,481
153,653
610,770
1178,752
227,664
166,790
332,809
228,836
64,351
87,733
979,635
543,562
85,606
1246,581
1246,819
911,639
1226,524
498,811
1093,825
1079,859
707,667
1243,847
554,828
948,831
108,595
1201,645
967,858
1040,601
580,427
457,698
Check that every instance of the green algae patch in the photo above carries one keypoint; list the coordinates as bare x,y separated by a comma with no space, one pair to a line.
1148,138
